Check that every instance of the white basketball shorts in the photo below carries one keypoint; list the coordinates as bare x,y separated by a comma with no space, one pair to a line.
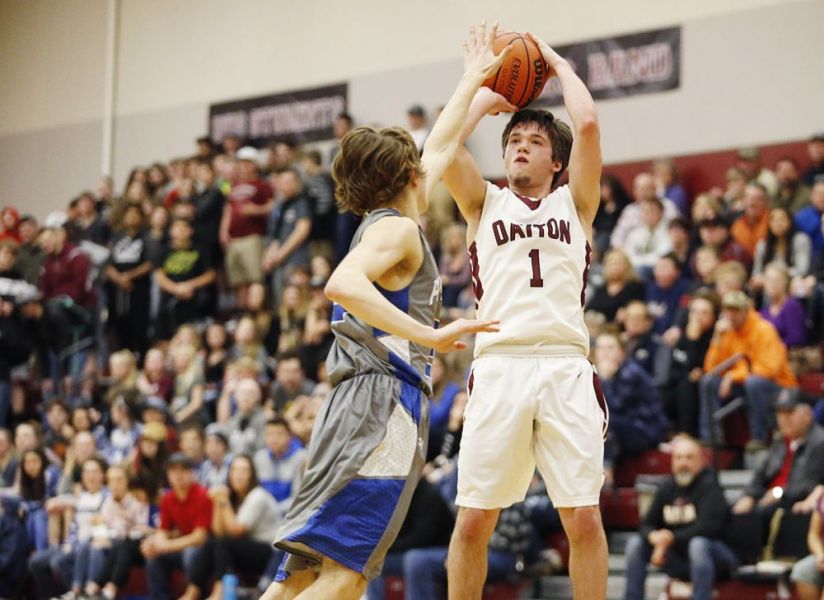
532,410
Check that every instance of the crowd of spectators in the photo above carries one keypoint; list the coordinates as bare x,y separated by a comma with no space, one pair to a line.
162,359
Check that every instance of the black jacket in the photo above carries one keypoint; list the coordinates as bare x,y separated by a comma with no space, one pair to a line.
699,510
806,472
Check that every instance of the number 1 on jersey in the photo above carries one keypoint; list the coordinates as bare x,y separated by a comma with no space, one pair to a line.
536,280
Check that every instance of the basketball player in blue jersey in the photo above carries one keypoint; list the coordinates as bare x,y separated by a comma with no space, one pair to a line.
369,442
534,398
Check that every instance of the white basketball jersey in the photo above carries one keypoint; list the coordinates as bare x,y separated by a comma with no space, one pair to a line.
530,260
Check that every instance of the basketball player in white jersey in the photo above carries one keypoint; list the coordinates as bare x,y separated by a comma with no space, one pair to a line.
534,398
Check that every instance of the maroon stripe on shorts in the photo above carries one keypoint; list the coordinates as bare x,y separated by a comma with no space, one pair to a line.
586,274
477,286
602,402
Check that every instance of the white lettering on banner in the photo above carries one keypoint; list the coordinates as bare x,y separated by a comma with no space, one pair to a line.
294,117
621,67
229,123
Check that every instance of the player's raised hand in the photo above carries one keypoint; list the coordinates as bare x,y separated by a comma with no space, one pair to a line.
492,103
448,338
551,58
479,55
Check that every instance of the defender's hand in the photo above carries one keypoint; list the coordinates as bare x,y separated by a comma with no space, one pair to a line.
448,338
479,57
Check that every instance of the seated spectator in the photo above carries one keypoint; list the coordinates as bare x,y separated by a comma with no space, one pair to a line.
636,417
444,392
680,392
620,285
792,194
715,232
191,440
643,188
782,310
729,276
58,430
187,400
290,382
288,230
783,244
215,468
124,434
614,199
650,240
428,524
14,549
667,184
182,541
214,366
115,545
259,307
666,293
291,319
751,227
82,448
815,151
794,466
748,161
36,483
679,234
245,520
247,341
155,379
454,264
641,344
682,529
808,573
808,219
705,261
123,382
145,464
302,413
245,428
67,565
185,277
280,464
760,369
8,459
317,328
84,418
88,224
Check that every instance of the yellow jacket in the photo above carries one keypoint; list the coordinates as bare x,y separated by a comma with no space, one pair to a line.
765,353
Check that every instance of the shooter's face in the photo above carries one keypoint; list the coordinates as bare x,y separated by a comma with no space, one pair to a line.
528,159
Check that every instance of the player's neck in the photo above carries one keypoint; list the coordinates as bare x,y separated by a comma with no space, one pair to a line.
406,204
537,191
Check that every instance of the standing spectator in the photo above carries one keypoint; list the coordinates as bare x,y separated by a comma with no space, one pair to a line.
748,161
794,466
815,150
29,253
288,230
636,417
666,293
245,521
751,227
650,240
208,202
809,219
792,194
128,284
88,225
760,372
614,199
245,428
343,124
643,188
243,224
183,536
281,463
321,188
667,184
620,286
186,278
454,264
290,381
417,125
681,394
783,243
681,532
782,310
124,521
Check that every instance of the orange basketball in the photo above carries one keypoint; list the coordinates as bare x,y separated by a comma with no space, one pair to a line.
521,77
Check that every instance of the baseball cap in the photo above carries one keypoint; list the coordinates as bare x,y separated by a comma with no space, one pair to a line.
247,153
748,153
736,299
788,399
178,459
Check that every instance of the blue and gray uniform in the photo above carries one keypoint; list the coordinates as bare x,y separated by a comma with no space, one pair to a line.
368,445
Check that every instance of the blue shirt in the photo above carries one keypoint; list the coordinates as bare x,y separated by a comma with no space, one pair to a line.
808,220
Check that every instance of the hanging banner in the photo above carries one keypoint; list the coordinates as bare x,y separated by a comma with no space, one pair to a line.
626,65
302,115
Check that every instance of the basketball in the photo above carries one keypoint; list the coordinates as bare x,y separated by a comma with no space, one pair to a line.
521,77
